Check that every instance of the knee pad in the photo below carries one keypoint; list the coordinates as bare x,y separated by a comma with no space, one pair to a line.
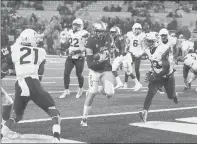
109,88
53,112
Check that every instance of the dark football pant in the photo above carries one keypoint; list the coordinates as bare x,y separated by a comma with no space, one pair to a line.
137,62
37,94
79,65
169,85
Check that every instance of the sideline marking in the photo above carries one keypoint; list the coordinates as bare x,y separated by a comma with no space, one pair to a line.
36,138
185,128
8,78
190,120
110,114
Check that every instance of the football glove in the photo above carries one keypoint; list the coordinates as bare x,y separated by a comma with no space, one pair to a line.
150,76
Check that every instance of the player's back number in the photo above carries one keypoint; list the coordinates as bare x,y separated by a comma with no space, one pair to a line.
28,52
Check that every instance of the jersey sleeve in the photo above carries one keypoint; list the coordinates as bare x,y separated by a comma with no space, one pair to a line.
89,43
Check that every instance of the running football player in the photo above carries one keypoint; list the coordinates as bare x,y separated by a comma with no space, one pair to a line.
29,61
5,56
124,58
136,46
190,64
161,74
76,56
100,69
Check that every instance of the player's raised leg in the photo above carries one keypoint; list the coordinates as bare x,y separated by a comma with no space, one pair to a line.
127,65
79,64
69,64
107,81
169,85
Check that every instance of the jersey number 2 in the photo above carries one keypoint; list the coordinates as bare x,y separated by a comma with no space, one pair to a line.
28,52
74,42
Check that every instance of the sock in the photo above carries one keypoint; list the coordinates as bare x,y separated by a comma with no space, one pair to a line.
86,111
136,81
118,80
56,131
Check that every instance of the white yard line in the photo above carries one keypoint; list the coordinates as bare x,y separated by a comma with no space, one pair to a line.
111,114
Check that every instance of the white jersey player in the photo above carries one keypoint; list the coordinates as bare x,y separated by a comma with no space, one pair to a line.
29,62
135,39
124,58
186,47
165,38
190,64
76,56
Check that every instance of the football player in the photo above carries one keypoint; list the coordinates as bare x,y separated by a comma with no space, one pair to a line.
76,56
124,58
190,64
5,56
98,61
187,46
136,46
29,61
161,74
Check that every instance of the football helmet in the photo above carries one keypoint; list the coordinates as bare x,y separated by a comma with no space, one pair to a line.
137,28
99,29
77,25
151,40
28,37
164,35
115,31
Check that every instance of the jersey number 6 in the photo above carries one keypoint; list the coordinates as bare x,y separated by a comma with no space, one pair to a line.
135,43
27,53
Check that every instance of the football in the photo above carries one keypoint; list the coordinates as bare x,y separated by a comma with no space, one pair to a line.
96,56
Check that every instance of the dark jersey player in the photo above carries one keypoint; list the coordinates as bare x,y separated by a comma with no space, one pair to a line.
98,61
5,58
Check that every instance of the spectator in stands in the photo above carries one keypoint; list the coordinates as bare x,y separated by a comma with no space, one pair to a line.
112,8
106,9
118,9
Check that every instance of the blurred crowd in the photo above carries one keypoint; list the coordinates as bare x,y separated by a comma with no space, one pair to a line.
12,23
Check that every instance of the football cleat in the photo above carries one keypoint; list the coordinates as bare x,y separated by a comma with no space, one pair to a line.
65,93
176,99
55,140
137,86
125,85
119,85
84,122
79,93
143,115
6,132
